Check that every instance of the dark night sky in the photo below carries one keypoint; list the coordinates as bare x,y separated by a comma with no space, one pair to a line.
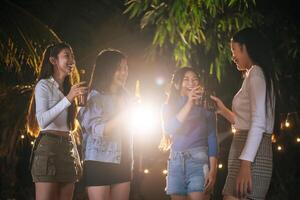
90,26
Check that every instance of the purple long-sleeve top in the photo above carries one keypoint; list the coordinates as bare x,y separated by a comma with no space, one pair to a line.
198,129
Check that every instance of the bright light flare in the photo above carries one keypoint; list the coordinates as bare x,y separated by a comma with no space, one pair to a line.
159,80
165,171
143,118
146,171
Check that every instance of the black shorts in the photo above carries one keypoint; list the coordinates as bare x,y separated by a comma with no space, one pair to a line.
100,173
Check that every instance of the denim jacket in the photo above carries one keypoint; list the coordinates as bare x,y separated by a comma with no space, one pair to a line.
93,117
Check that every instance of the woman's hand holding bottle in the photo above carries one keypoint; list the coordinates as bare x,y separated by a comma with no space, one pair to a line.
76,90
220,107
223,110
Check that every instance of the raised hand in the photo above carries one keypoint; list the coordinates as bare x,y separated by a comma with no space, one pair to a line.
223,110
194,95
220,107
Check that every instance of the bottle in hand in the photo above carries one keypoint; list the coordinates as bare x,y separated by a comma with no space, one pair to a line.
209,103
82,99
200,92
205,101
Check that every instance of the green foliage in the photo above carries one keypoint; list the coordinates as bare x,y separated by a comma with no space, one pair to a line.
22,38
182,25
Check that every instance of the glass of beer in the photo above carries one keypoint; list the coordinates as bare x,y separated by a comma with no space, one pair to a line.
211,104
200,91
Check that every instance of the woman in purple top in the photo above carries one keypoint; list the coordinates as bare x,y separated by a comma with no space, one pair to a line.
191,130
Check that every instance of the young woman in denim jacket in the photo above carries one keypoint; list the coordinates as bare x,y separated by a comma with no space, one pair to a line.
107,142
192,164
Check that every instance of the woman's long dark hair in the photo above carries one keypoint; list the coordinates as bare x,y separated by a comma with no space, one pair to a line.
107,63
260,52
46,70
173,94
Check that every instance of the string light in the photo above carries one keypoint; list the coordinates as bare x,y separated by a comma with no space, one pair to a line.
287,123
32,143
146,171
290,118
165,171
233,130
22,136
273,138
279,148
298,139
220,166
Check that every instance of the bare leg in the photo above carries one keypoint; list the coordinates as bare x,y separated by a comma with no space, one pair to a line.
46,191
198,196
178,197
98,192
227,197
120,191
66,191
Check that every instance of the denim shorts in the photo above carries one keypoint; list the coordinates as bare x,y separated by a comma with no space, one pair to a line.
186,171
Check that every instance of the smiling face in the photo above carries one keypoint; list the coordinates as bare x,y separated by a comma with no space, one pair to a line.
189,81
64,62
121,74
240,56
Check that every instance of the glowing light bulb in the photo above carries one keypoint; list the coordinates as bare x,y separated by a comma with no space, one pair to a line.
233,130
273,138
287,124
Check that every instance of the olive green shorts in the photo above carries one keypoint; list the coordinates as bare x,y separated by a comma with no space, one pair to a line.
54,160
